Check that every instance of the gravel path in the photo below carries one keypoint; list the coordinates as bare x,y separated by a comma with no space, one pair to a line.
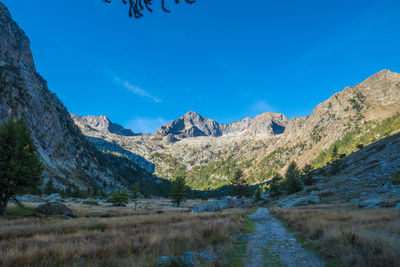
272,245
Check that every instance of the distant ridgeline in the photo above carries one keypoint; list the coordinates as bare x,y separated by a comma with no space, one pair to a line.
265,145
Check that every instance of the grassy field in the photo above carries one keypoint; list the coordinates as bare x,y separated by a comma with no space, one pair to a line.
345,236
110,236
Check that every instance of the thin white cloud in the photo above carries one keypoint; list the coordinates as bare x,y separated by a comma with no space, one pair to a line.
137,90
260,106
145,125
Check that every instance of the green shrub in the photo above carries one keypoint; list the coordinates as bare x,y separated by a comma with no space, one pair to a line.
396,179
90,202
119,198
257,196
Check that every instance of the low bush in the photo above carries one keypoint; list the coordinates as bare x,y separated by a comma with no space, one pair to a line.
395,179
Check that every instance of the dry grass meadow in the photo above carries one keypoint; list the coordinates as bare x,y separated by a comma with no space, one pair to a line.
347,236
110,236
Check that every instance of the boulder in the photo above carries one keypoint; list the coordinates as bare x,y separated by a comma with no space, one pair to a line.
293,201
54,208
371,203
354,200
218,205
54,197
188,259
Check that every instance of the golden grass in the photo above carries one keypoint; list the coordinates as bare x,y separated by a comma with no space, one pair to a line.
136,239
349,237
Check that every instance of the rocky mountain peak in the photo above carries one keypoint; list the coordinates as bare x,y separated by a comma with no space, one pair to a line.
383,75
193,124
190,124
101,124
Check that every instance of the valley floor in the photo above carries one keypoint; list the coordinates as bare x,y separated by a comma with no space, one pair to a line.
329,234
115,236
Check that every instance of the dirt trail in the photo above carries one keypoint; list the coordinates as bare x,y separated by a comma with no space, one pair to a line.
272,245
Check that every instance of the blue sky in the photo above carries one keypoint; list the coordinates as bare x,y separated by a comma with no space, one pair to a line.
225,59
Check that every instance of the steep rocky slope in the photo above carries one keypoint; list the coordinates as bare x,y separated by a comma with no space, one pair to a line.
111,137
68,156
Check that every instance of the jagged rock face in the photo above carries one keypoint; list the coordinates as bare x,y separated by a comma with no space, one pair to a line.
266,124
101,124
190,125
24,94
194,125
108,136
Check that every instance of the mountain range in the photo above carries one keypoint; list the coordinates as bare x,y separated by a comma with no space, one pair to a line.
263,145
91,151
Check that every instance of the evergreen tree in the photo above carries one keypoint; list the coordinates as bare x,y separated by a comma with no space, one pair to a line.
292,183
68,192
119,198
307,176
335,165
257,196
239,186
135,188
335,153
49,187
178,188
20,166
274,186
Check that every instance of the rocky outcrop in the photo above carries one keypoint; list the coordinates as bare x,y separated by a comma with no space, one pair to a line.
101,124
54,208
371,203
294,200
191,124
266,124
111,137
218,205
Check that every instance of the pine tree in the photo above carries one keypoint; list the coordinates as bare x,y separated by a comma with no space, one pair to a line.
178,188
307,176
257,196
292,183
119,198
335,165
274,186
239,186
135,188
49,187
20,166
